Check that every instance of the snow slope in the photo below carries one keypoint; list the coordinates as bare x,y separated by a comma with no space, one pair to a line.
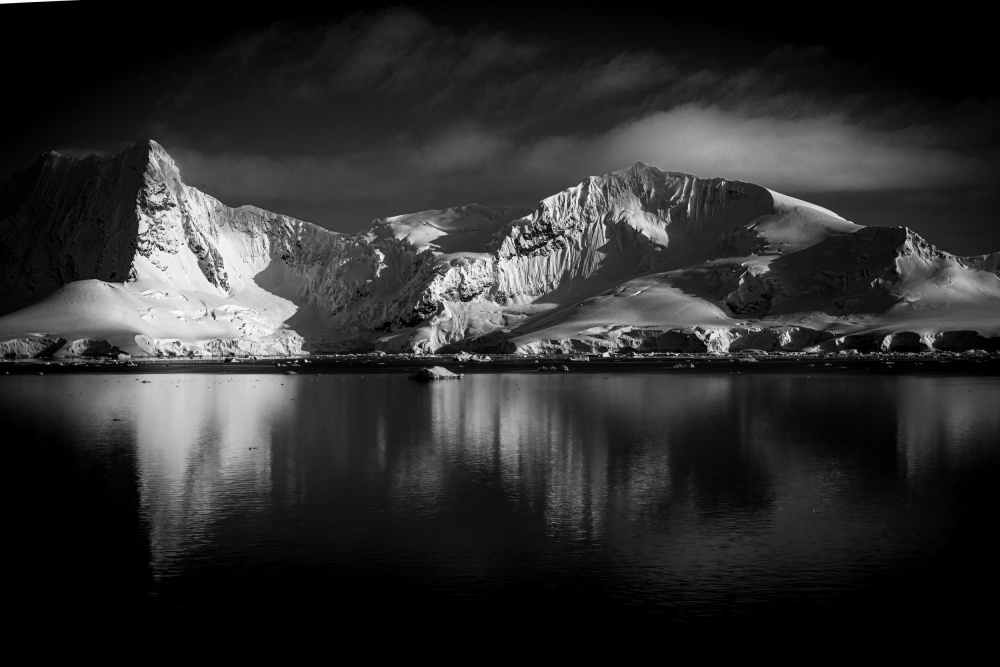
452,231
120,250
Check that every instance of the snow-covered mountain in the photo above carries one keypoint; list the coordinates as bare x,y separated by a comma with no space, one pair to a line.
104,253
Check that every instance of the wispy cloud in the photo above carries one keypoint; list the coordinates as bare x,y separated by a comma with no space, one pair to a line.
393,112
625,73
465,147
393,51
814,153
470,163
246,178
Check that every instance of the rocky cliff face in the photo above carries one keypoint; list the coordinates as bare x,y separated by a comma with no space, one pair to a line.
617,226
120,249
66,220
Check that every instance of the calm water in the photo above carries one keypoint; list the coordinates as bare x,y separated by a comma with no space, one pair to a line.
770,497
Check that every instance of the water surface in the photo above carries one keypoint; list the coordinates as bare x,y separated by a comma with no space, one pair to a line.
709,496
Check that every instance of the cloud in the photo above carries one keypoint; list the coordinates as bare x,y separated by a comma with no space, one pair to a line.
384,50
249,178
389,112
624,73
810,154
347,191
472,163
393,51
465,147
397,70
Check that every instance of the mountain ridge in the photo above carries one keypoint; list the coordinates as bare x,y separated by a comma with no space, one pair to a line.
189,275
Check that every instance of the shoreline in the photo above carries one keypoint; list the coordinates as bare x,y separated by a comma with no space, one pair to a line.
977,363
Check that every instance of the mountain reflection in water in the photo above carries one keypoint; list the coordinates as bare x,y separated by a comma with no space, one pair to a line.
689,496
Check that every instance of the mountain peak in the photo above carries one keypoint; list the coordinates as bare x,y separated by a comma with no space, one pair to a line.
639,169
150,148
141,148
155,148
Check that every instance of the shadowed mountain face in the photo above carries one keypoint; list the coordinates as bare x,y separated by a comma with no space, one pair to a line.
120,250
67,220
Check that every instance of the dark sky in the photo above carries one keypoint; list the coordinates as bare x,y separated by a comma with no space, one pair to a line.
369,111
